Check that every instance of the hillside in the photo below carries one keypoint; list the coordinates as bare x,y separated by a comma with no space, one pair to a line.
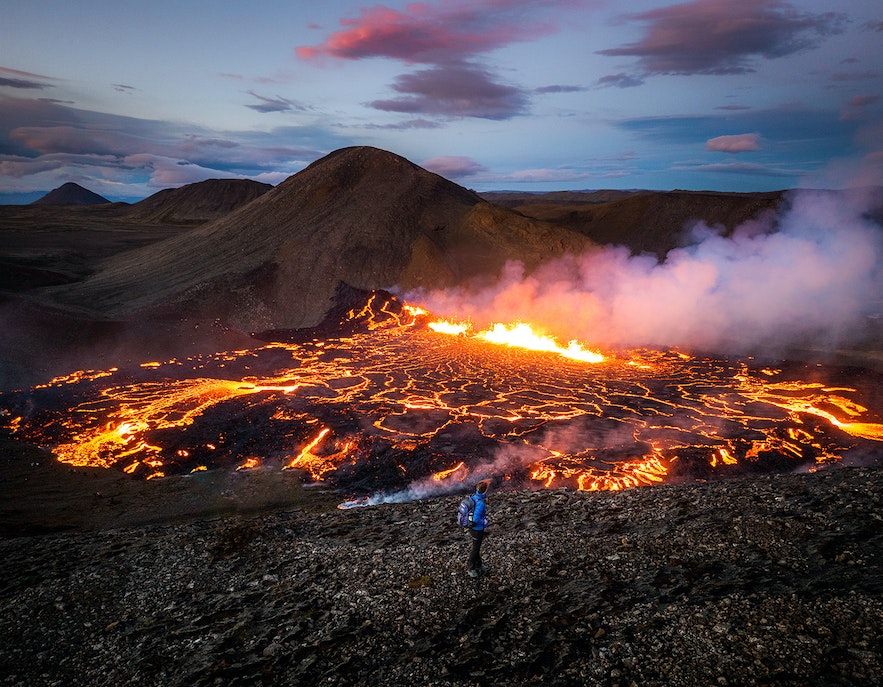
71,194
648,221
199,202
359,216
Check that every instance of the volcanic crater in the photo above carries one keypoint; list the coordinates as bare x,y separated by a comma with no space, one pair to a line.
298,359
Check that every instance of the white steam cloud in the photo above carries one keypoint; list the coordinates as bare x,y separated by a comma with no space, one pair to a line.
815,279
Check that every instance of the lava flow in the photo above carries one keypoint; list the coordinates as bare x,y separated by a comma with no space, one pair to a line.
397,406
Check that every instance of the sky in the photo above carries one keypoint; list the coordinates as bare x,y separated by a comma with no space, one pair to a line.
127,98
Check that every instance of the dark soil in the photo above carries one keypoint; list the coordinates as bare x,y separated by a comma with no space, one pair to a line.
251,579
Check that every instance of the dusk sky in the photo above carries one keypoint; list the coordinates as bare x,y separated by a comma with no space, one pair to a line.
128,98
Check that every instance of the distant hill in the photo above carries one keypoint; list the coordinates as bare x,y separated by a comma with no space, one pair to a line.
359,216
199,202
646,221
515,199
71,194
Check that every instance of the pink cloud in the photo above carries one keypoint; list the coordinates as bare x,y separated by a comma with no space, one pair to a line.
721,36
30,75
739,143
857,107
25,80
447,36
437,33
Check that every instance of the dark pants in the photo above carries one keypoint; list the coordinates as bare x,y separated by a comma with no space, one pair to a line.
475,554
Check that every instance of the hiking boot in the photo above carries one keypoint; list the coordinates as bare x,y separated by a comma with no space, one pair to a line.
473,573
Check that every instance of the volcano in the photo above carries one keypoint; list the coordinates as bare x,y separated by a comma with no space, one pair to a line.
359,216
71,194
380,404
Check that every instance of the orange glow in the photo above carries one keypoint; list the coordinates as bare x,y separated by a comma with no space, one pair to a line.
316,465
814,400
405,393
78,376
447,327
519,335
444,474
640,472
727,457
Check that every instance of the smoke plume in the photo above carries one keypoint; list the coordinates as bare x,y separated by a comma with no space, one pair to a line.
809,276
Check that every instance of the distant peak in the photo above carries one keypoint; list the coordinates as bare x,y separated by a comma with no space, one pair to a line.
70,193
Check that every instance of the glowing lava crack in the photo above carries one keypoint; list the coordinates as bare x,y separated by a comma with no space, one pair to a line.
403,406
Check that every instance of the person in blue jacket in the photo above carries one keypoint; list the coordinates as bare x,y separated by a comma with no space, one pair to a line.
478,528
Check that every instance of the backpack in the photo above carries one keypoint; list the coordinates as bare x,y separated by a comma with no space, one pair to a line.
464,512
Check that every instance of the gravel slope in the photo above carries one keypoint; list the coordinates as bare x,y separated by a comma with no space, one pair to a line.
771,581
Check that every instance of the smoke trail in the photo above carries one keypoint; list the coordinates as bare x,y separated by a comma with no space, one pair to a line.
816,278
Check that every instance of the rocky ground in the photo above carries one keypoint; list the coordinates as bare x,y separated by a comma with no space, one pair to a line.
769,581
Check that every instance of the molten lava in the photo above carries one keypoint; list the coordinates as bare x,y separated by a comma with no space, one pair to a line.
401,407
519,335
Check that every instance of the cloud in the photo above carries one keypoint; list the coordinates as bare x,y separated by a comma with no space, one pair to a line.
857,106
854,76
619,81
45,143
448,37
455,91
739,143
863,100
406,125
22,83
24,80
168,172
805,135
277,104
56,100
557,88
723,37
453,166
545,175
438,33
123,88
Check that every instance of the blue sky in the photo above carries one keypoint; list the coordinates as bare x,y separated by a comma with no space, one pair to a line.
128,98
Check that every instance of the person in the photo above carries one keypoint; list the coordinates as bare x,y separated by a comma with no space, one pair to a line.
478,529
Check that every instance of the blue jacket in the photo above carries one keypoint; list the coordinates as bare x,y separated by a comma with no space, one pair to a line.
479,514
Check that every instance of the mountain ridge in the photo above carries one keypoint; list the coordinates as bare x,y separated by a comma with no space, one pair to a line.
360,216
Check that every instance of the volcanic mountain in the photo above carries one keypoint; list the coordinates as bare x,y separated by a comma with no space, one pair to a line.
360,216
71,194
199,202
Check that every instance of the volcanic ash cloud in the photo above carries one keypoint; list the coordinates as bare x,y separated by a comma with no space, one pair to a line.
816,278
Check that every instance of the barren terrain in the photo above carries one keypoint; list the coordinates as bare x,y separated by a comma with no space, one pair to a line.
769,581
256,577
